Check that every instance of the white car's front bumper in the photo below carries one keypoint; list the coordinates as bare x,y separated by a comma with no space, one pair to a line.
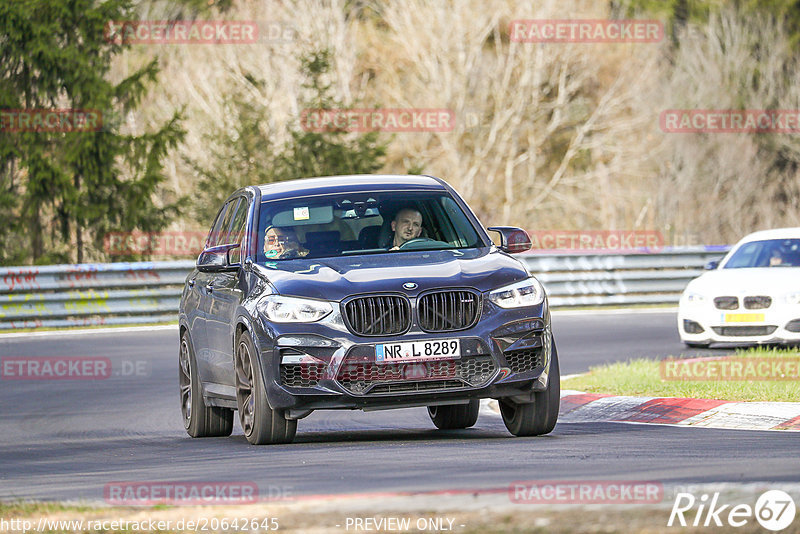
779,323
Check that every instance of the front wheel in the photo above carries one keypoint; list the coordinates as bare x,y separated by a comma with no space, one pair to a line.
538,417
261,424
199,420
455,416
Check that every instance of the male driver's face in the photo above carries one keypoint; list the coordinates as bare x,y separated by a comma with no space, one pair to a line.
407,225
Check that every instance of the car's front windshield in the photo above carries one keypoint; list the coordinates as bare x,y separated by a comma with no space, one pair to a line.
361,223
767,253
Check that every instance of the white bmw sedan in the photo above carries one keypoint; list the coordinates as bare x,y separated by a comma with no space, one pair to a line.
751,296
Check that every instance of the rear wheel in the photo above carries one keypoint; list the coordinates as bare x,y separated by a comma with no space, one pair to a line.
538,417
455,415
261,424
199,420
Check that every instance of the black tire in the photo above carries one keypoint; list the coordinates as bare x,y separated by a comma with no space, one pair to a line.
455,416
261,424
697,345
199,420
538,417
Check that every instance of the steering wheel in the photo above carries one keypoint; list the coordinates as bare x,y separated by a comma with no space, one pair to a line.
410,243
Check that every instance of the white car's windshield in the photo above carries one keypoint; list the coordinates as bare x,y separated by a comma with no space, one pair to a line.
767,253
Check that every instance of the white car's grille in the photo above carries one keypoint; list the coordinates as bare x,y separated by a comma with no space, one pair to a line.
726,303
735,331
757,303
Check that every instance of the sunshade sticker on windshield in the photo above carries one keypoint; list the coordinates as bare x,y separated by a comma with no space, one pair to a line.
301,214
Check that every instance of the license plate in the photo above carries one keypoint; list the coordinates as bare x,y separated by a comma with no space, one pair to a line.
744,317
435,349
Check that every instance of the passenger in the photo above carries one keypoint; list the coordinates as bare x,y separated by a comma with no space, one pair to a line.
282,243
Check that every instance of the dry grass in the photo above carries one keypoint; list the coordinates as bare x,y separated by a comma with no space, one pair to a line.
468,516
547,135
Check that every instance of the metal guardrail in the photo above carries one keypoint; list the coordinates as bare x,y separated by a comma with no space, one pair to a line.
148,292
91,294
619,279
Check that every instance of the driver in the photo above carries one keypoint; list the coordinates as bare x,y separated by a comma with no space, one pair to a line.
282,243
407,225
776,258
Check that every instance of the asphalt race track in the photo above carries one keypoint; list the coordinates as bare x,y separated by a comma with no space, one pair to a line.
68,439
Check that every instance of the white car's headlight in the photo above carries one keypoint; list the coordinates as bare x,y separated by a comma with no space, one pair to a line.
793,298
528,292
694,298
293,310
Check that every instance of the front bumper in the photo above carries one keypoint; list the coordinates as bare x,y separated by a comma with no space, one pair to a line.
706,324
324,366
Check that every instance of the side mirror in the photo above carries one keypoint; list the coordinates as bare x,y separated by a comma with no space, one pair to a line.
512,239
217,259
712,265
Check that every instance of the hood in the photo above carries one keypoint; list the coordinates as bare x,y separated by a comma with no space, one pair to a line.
754,281
337,278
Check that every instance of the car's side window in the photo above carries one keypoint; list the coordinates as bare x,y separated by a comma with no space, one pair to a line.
224,236
236,234
213,238
459,230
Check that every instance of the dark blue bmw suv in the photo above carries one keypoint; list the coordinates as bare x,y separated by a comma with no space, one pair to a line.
361,292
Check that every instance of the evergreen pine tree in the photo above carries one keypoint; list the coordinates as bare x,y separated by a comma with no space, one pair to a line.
63,191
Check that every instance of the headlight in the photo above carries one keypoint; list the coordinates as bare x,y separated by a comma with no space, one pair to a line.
793,298
528,292
694,298
293,310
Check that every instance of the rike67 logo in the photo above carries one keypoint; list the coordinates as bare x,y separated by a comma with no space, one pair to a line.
774,510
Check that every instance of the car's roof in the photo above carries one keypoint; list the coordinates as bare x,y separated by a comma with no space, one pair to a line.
775,233
349,184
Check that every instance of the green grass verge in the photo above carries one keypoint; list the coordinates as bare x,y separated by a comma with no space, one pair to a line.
642,377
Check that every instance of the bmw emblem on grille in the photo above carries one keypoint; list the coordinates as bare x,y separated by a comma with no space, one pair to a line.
409,286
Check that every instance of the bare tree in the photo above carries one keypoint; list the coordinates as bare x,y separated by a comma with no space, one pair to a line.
558,135
544,133
723,185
